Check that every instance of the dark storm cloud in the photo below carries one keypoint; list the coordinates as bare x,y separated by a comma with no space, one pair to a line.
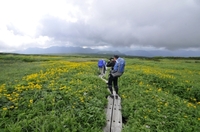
83,34
78,33
169,24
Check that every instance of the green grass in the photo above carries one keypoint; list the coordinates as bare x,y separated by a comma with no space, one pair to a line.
161,96
64,93
54,95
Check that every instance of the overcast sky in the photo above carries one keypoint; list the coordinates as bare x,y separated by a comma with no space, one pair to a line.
105,24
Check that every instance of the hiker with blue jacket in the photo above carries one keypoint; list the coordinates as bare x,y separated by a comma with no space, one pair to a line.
102,66
117,71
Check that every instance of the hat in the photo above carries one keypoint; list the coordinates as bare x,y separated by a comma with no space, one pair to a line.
116,56
111,58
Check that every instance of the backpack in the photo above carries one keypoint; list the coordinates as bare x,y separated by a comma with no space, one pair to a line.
120,65
101,63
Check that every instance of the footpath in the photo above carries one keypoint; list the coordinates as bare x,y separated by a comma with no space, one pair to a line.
113,113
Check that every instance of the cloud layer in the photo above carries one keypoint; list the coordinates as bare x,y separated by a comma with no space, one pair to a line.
112,23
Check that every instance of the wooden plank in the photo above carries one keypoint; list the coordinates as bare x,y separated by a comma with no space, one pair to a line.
109,110
116,125
106,81
113,113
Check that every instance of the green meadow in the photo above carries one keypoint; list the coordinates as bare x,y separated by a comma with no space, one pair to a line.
64,93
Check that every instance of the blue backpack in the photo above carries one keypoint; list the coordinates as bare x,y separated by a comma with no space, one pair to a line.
101,63
119,65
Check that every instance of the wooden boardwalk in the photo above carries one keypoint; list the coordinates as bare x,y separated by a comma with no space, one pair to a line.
113,113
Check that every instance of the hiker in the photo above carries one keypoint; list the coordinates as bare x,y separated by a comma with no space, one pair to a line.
102,66
111,64
117,71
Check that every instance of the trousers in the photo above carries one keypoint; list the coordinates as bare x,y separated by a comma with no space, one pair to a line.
113,80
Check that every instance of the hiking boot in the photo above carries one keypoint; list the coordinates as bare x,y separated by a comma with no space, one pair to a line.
116,96
111,95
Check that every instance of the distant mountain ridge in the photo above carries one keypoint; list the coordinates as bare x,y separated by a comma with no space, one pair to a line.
66,50
77,50
163,53
57,50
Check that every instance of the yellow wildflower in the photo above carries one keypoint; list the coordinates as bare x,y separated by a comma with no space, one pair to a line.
4,108
189,104
160,89
31,101
11,107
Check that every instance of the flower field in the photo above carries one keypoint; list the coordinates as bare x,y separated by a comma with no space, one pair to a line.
64,93
161,96
53,95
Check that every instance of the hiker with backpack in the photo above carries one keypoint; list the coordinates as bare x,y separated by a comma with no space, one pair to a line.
111,64
117,71
102,66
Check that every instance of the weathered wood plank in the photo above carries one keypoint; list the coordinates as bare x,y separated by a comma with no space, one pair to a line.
113,113
109,112
116,125
106,81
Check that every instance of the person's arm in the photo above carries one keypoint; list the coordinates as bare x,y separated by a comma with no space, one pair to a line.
109,64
